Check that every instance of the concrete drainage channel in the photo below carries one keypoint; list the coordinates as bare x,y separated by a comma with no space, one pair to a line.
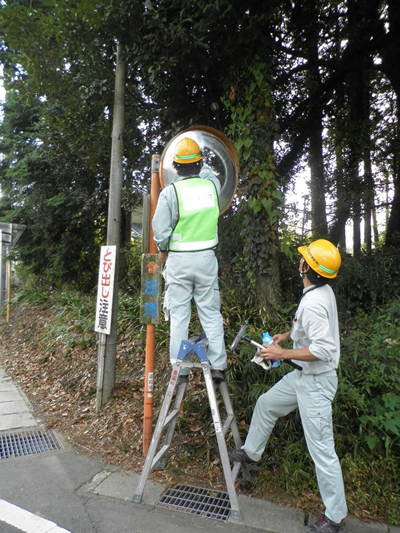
24,443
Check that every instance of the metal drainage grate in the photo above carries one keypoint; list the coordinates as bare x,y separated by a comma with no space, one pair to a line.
194,500
27,443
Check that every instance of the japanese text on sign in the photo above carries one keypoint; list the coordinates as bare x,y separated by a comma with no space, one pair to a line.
151,290
105,289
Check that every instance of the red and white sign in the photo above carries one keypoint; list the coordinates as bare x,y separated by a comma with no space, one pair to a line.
105,289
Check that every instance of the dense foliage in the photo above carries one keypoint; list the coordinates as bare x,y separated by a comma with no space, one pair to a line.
295,86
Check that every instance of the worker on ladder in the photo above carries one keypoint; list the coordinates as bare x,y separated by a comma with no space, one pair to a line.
185,226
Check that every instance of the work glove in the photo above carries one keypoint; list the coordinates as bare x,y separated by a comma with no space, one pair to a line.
264,363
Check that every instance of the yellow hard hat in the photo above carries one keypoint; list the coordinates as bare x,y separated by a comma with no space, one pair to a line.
187,151
323,257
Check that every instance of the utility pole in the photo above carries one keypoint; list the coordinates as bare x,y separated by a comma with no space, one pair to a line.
108,343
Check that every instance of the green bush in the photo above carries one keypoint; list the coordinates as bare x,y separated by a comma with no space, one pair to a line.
369,393
368,280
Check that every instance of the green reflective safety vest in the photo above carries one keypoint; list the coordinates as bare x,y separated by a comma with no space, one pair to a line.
198,212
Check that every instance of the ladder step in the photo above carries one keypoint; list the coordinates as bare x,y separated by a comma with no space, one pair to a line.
159,455
173,414
227,424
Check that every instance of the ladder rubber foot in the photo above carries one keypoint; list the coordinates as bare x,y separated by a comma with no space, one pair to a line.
236,515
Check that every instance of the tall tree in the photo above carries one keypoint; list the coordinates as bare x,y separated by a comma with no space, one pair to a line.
182,62
306,31
64,62
386,35
253,130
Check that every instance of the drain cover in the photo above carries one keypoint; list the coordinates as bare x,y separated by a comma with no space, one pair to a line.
194,500
27,443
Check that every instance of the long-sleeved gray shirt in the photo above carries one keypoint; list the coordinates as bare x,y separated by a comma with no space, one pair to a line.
316,325
166,214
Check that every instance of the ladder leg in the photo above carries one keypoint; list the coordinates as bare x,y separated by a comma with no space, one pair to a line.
168,419
171,420
163,420
231,422
219,432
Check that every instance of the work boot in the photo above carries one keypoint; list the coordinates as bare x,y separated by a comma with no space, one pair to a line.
324,525
240,456
217,375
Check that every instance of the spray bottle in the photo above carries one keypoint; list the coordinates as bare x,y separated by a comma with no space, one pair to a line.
267,339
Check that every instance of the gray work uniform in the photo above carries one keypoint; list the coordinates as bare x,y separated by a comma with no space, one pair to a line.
312,391
190,275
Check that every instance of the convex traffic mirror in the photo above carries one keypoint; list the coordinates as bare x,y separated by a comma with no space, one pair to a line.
218,153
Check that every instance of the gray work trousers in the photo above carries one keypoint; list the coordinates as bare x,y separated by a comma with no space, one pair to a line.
312,394
195,275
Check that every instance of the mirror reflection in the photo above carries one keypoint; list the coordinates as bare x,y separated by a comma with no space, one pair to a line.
218,153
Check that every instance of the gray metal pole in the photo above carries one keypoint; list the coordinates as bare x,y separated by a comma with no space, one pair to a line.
114,222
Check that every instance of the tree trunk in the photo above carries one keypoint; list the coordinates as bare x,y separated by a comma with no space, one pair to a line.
268,291
389,38
356,226
368,201
337,232
316,161
369,192
393,227
316,158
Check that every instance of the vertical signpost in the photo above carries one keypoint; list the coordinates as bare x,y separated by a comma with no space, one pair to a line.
105,294
9,235
2,264
150,306
105,290
108,341
8,291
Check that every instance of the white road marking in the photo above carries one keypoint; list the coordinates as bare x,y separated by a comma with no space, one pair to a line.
26,521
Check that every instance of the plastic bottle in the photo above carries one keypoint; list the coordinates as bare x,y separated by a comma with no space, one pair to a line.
267,339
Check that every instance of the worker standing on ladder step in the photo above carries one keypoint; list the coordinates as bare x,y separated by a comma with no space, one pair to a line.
185,226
